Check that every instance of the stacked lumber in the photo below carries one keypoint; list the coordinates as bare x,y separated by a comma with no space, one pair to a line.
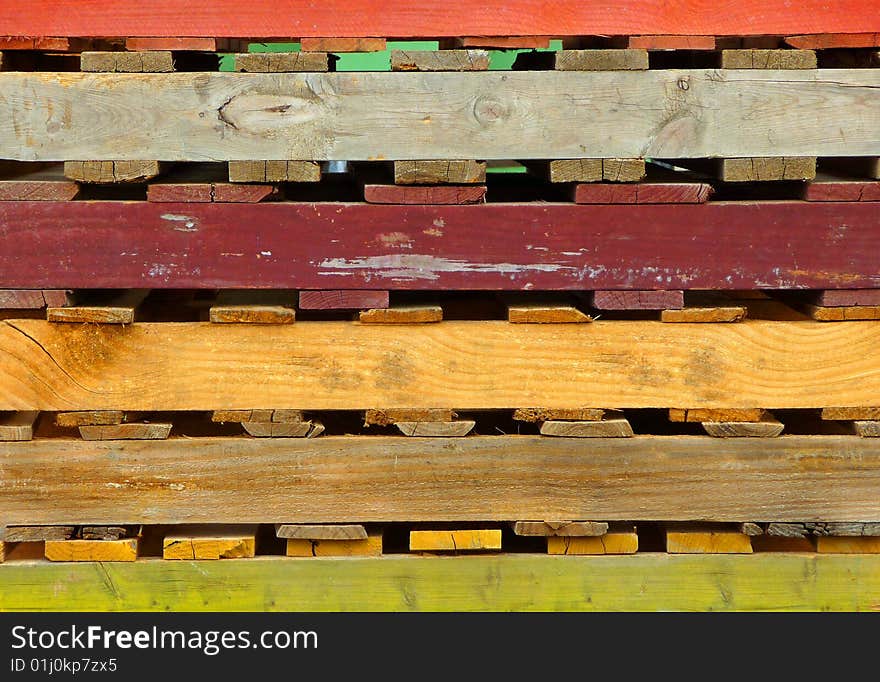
582,291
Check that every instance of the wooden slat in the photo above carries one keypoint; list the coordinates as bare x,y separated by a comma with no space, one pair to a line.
92,550
499,42
343,116
768,427
706,540
127,62
867,429
316,365
434,429
671,42
848,297
716,415
439,60
102,245
539,414
342,44
454,540
761,169
847,413
172,42
224,542
90,418
643,193
613,542
424,194
240,416
113,171
119,309
274,171
307,429
375,417
252,314
591,170
637,300
546,314
17,426
768,59
312,531
281,62
842,313
271,19
342,299
104,532
456,172
826,39
370,546
36,182
402,315
705,315
606,428
127,431
847,545
601,60
642,582
337,479
565,528
38,533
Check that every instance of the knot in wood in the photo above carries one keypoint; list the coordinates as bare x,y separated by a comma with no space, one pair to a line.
490,110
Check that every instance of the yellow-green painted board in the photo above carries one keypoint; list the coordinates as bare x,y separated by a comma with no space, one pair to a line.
523,582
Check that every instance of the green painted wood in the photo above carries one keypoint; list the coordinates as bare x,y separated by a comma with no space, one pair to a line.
522,582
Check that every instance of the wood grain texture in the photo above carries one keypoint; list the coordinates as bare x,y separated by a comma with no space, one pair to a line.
274,171
281,62
337,479
38,533
499,42
424,194
523,582
705,315
707,541
643,193
342,299
439,60
84,244
454,540
211,543
40,184
240,416
671,42
539,414
92,550
843,313
455,171
867,428
357,18
113,171
402,315
847,545
846,413
127,62
209,192
342,44
491,115
591,170
565,528
828,189
715,415
768,59
606,428
128,431
433,429
375,417
637,300
309,429
17,426
160,41
766,428
546,314
460,364
614,542
829,40
251,314
370,546
312,531
90,418
767,169
22,299
848,297
601,60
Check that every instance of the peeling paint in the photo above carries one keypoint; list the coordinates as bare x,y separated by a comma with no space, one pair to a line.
427,267
189,223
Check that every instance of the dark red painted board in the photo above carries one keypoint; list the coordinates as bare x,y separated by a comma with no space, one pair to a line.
839,298
404,18
643,193
424,194
534,246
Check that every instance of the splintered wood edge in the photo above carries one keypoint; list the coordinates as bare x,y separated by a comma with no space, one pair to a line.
851,413
546,314
705,315
699,415
567,528
375,417
251,314
402,315
540,414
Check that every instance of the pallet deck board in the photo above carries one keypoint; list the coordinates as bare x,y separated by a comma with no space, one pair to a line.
513,115
360,18
487,364
528,582
378,479
107,244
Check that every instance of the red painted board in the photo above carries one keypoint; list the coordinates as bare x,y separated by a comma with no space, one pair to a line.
643,193
424,194
531,246
403,18
839,298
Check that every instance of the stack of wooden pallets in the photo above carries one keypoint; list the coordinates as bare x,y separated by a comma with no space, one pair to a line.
296,306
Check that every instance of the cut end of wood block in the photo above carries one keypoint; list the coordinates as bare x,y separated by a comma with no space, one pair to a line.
239,416
847,545
307,429
392,416
430,172
767,428
768,59
614,542
402,315
432,429
699,415
543,414
38,533
454,540
546,314
281,62
126,431
602,60
274,171
867,429
110,172
252,314
842,313
686,541
371,546
89,418
210,544
92,550
703,315
561,528
313,531
91,315
606,428
851,413
17,426
343,44
439,60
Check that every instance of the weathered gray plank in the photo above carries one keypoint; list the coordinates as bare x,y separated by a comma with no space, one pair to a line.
491,115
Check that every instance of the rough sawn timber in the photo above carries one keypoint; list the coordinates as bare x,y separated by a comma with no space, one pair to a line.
493,115
104,244
378,479
460,364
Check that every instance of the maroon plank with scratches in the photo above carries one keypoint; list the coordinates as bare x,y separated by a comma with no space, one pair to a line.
208,192
529,246
421,194
841,298
842,190
38,190
637,300
643,193
24,299
341,299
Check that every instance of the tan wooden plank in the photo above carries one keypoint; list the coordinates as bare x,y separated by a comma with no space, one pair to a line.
706,540
371,546
313,531
563,528
613,542
474,479
766,428
429,172
112,171
402,315
251,314
348,116
768,59
843,313
432,429
439,60
848,413
285,417
92,550
705,315
847,545
281,62
211,543
274,171
127,431
127,62
104,532
867,429
601,60
541,414
454,540
89,418
239,416
545,314
768,168
753,414
17,426
375,417
118,310
347,365
606,428
309,429
343,44
38,533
